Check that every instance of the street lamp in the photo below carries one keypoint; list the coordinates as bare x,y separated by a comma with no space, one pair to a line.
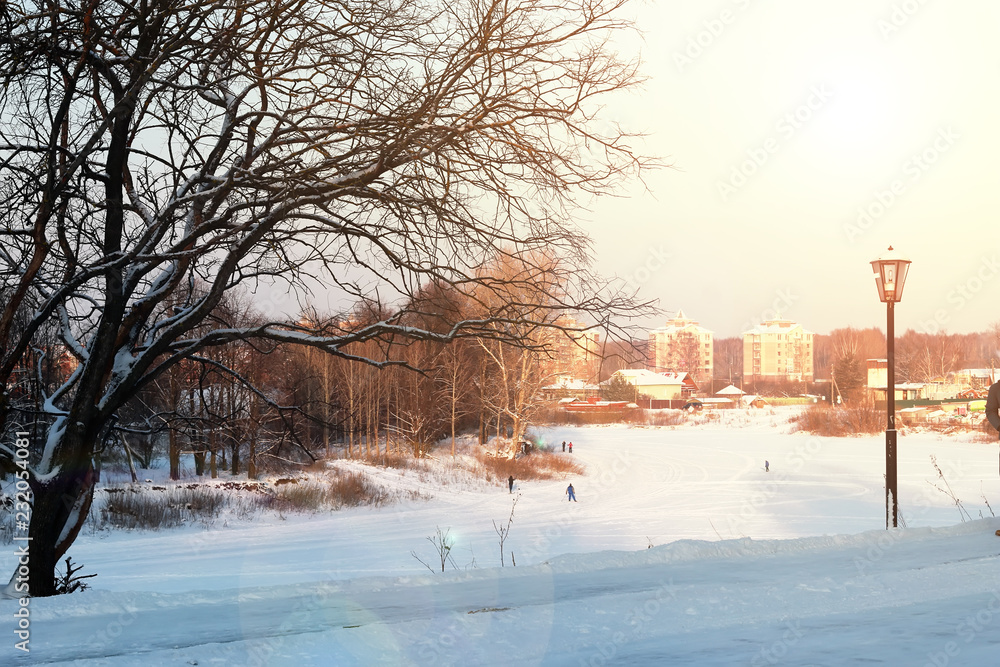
890,274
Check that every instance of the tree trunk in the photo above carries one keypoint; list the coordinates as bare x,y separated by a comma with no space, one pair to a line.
59,509
350,411
213,464
252,457
131,463
234,453
326,405
174,456
499,426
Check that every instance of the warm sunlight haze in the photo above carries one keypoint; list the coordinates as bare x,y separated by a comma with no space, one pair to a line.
491,333
805,140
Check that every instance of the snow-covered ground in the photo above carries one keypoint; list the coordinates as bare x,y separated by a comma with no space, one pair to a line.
681,550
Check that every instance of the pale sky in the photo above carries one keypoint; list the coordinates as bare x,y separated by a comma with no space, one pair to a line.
785,121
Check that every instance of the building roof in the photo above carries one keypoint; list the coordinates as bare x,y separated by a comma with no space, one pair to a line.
731,390
571,384
642,377
900,385
776,326
681,323
975,372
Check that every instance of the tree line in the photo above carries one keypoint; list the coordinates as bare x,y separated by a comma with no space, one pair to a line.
843,353
244,405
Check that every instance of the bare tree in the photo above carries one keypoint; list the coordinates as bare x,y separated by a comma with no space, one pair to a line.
455,373
923,357
728,356
530,283
155,156
850,349
684,354
993,334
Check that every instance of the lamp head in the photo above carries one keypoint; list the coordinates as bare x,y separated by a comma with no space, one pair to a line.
890,275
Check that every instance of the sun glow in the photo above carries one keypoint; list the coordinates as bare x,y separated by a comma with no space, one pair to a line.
867,104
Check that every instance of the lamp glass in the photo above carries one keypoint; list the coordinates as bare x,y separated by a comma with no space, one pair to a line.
890,276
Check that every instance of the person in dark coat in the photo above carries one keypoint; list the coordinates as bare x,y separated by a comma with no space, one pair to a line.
993,406
564,445
510,484
570,493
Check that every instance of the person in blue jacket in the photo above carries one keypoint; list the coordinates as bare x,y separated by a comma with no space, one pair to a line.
570,493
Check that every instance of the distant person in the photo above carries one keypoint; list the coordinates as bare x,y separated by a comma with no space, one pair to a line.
993,406
564,445
570,447
510,484
569,489
767,467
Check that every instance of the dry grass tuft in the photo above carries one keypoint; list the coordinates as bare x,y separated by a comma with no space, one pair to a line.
129,508
352,489
340,489
393,460
537,465
664,417
135,507
858,419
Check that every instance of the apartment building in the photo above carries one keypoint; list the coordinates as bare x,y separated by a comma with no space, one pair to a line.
778,350
682,346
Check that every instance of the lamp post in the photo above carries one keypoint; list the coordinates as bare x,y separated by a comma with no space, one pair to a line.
890,274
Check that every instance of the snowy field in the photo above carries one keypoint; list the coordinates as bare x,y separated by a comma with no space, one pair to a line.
681,550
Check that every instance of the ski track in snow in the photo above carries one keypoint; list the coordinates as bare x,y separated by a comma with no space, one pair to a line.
820,582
